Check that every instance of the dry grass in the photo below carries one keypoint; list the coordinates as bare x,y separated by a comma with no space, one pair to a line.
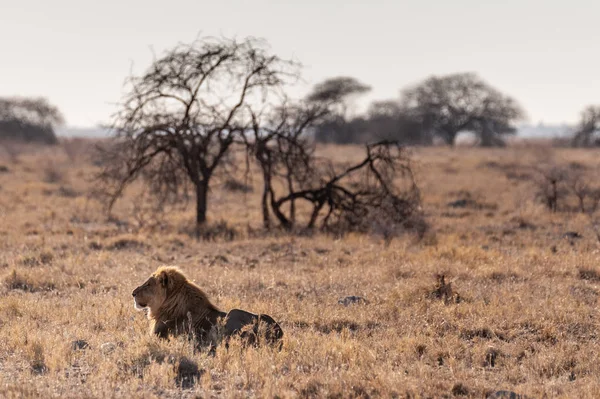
516,310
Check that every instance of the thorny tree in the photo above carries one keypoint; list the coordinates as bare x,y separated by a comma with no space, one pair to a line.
180,118
377,193
284,151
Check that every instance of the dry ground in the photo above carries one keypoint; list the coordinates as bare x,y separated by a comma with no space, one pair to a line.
526,319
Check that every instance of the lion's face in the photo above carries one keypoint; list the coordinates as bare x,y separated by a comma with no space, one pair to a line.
151,294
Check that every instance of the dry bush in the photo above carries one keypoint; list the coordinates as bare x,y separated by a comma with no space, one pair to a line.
377,194
566,187
43,258
77,148
53,174
589,274
218,231
28,282
149,211
66,191
126,242
584,188
551,185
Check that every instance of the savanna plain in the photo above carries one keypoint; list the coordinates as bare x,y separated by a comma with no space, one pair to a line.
516,310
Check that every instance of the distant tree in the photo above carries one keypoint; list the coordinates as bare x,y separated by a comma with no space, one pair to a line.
384,108
337,93
336,129
448,105
29,120
589,128
387,120
384,120
180,119
337,90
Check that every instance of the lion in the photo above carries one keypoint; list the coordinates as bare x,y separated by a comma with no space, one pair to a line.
177,306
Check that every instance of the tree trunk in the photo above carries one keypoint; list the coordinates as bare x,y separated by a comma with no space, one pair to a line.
581,203
450,138
315,214
293,201
427,137
265,200
554,198
582,138
487,138
201,201
275,206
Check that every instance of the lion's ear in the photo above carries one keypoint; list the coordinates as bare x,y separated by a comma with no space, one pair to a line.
163,279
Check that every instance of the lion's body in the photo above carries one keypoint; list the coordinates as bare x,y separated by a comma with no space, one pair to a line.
185,308
178,306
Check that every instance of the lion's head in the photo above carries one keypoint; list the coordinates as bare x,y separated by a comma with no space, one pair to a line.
155,291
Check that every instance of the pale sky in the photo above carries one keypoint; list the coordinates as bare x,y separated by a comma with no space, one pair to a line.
77,53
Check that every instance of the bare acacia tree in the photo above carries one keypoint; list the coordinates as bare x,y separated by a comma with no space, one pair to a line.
180,118
380,188
283,148
379,191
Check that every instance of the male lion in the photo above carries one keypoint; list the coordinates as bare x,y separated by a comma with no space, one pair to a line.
178,306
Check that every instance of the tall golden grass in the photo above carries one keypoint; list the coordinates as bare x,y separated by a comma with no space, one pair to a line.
522,314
